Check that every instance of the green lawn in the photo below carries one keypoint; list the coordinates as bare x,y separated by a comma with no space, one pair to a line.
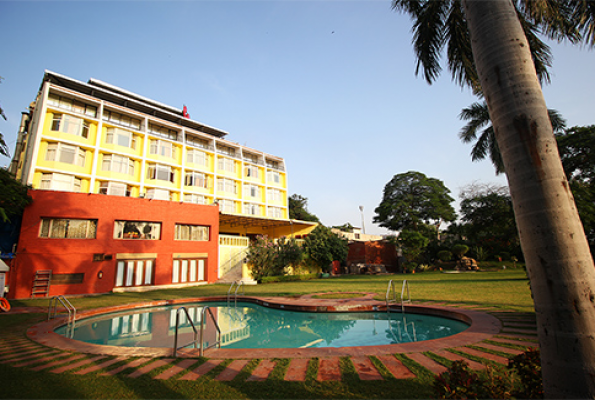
502,290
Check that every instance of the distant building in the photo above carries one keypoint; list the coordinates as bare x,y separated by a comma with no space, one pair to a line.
356,235
167,200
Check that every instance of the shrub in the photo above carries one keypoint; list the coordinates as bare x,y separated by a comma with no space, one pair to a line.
270,258
444,255
323,247
459,250
527,366
458,382
522,379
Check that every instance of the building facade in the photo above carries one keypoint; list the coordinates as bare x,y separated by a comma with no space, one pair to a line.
99,156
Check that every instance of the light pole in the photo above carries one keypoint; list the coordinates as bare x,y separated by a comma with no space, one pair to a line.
361,209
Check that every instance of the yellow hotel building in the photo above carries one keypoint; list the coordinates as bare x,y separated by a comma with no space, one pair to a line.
97,138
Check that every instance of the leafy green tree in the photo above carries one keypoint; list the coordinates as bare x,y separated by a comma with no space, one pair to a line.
411,200
298,209
488,222
323,247
489,48
14,196
577,151
412,244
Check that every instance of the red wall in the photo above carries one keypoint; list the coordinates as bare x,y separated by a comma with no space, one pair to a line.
378,252
76,255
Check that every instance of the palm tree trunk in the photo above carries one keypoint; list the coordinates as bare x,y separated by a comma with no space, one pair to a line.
559,263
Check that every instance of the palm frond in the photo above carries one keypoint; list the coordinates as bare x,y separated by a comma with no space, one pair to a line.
554,18
583,14
478,116
459,52
540,52
429,38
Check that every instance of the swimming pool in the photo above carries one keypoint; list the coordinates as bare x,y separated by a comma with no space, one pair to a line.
252,326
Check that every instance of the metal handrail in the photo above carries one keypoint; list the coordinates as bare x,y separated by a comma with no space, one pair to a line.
202,328
65,303
176,348
238,284
71,312
403,288
390,285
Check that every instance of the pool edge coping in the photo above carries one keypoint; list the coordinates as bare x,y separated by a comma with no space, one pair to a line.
482,327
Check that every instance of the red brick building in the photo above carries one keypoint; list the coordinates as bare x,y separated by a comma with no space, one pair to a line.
95,243
373,253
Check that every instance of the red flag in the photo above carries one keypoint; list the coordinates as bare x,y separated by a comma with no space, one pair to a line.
185,113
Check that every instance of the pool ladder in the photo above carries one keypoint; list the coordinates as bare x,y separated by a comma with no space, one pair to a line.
198,334
404,288
52,309
238,285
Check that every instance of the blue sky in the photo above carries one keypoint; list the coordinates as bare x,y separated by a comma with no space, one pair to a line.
328,85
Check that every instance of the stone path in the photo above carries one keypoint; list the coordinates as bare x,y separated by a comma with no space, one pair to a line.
518,332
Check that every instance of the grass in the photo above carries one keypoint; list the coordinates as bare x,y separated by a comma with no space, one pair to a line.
502,290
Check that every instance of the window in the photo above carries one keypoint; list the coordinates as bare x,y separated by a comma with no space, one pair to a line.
197,157
251,157
274,195
163,148
226,185
69,124
274,212
252,172
196,179
63,182
251,190
134,273
192,270
72,105
198,142
192,232
226,164
227,206
120,137
230,151
66,153
158,194
67,279
116,163
195,198
137,230
273,164
121,119
273,176
68,228
114,189
160,172
163,132
252,209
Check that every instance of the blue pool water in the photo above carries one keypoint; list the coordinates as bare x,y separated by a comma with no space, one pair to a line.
248,325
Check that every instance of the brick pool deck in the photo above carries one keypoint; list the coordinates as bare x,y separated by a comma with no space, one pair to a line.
493,336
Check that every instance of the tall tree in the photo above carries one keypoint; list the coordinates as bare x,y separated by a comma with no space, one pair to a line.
577,150
298,209
14,197
489,222
559,263
412,199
